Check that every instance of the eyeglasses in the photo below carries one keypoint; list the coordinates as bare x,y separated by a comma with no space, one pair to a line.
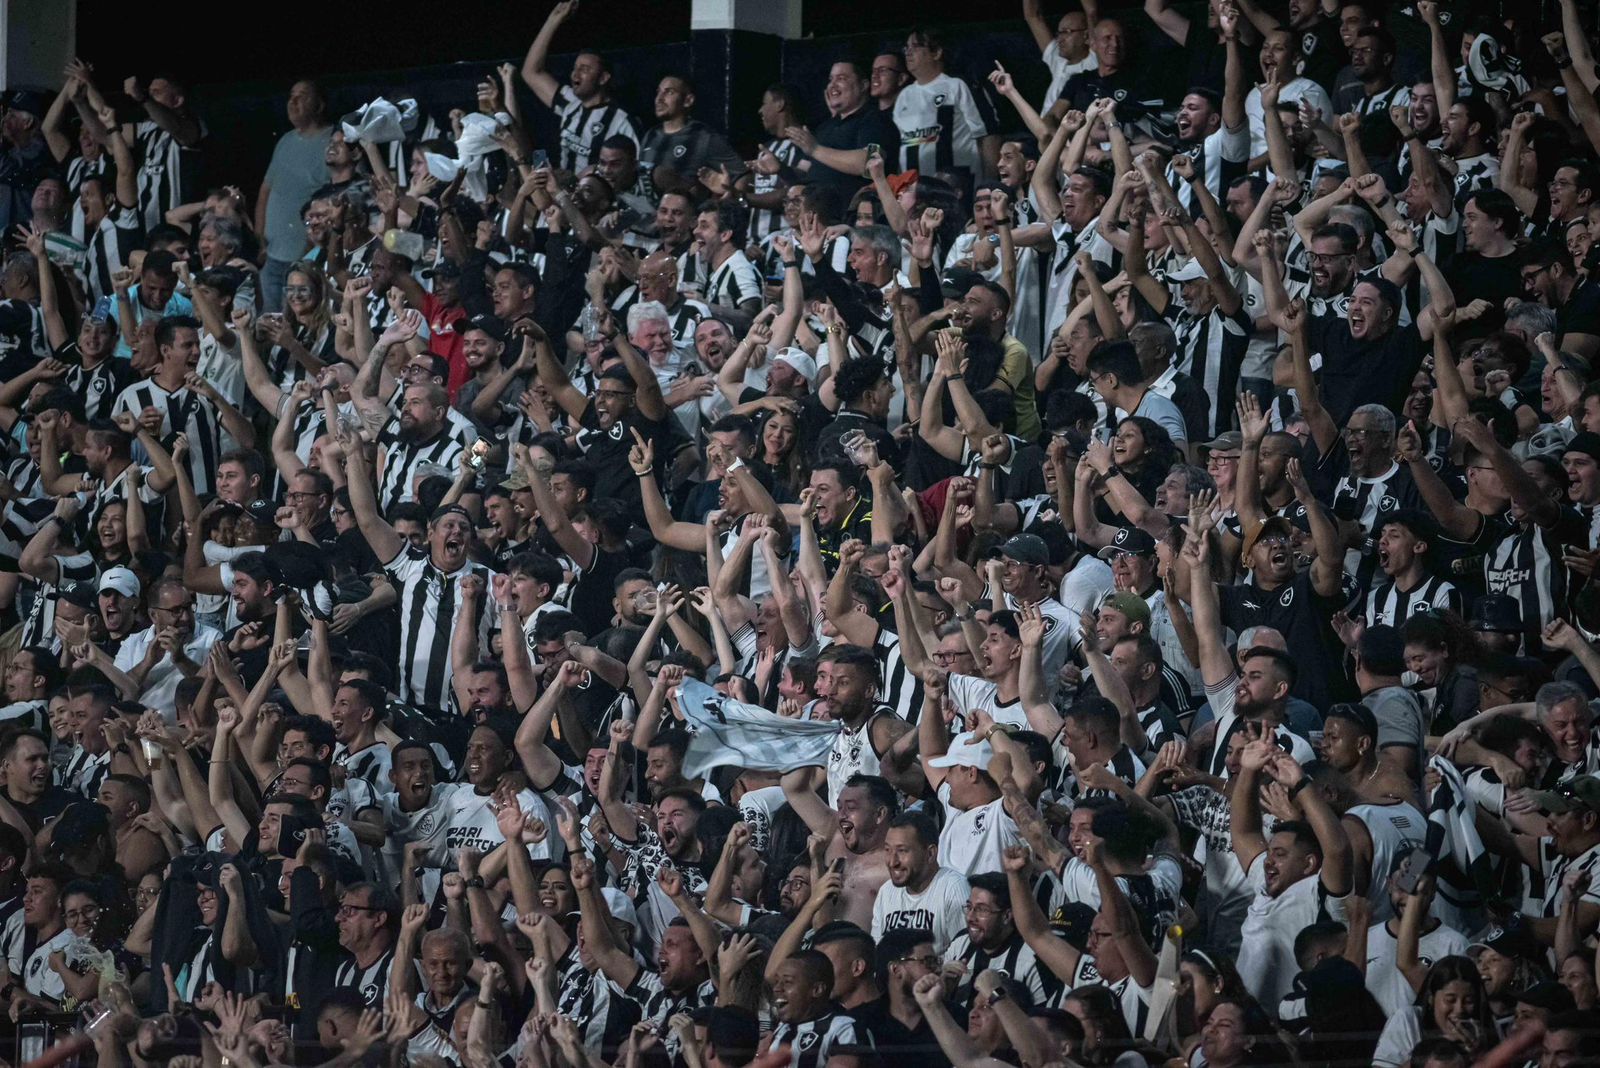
87,914
1328,257
345,910
300,495
980,910
945,658
298,291
927,960
176,610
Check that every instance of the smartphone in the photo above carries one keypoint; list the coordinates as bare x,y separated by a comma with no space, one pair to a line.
1413,866
539,158
873,151
836,866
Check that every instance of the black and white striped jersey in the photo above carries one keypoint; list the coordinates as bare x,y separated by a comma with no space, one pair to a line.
813,1042
372,981
182,411
584,129
1123,764
657,1004
1016,958
1388,605
429,604
109,246
1221,158
40,626
166,170
1363,500
79,168
1523,561
33,715
766,221
603,1015
1211,349
901,687
401,458
99,386
734,282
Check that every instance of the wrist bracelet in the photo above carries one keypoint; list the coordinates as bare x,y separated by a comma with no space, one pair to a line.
792,263
1301,785
1113,471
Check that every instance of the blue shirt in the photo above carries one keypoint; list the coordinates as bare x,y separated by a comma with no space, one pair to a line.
177,304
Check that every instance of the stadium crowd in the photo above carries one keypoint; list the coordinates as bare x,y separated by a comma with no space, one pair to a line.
1100,579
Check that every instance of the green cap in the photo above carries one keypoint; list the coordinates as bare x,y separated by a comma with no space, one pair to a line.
1580,792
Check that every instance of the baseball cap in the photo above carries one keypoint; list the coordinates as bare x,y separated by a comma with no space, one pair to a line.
1230,441
492,325
965,752
1548,995
32,101
1026,549
1189,272
1129,604
262,510
1273,524
121,580
516,480
955,282
1580,792
620,906
82,594
1495,612
802,362
1129,540
1511,940
1072,922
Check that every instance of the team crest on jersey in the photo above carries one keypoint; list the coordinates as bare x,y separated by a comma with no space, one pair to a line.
426,827
1288,597
807,1041
1388,504
597,127
1308,44
1049,623
97,385
679,150
1119,95
938,99
978,822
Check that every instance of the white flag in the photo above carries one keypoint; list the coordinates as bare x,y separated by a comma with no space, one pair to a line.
725,732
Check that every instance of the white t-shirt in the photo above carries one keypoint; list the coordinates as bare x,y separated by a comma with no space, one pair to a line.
1266,957
38,978
968,694
1296,91
938,910
1061,69
470,822
1385,980
939,126
972,841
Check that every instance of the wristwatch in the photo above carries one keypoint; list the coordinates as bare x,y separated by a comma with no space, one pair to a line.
476,883
737,465
997,995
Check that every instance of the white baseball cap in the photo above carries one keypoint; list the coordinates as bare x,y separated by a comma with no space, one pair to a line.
965,752
122,580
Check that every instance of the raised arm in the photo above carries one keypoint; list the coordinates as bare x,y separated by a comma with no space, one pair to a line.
534,75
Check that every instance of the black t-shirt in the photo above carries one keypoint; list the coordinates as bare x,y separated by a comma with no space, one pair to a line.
1298,612
607,452
1580,313
51,803
1136,98
1366,371
592,592
867,125
1473,275
1323,50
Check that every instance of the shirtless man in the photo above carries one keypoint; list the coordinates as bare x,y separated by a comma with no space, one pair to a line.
855,832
